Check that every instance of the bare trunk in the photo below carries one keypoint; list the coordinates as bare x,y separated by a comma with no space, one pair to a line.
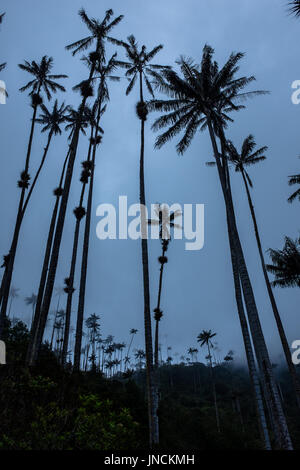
73,267
151,389
214,389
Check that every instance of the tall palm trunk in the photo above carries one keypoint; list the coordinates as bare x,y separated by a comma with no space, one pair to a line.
59,229
284,342
46,149
161,272
214,388
281,430
73,267
7,276
151,389
249,352
43,278
85,253
54,323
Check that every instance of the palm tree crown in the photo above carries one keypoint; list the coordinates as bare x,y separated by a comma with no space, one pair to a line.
139,62
205,337
51,120
165,220
246,157
43,79
203,93
99,31
286,264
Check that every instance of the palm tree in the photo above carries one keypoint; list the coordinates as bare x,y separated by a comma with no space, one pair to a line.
140,355
204,338
241,161
202,99
294,8
286,264
93,324
13,294
31,301
139,67
99,33
104,72
132,332
58,313
43,80
165,221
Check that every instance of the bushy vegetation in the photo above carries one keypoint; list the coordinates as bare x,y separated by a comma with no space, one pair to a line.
49,408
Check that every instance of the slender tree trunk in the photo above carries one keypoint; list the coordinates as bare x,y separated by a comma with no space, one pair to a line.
249,353
85,253
46,149
281,430
53,328
130,344
161,272
73,267
151,388
7,276
214,389
283,338
31,350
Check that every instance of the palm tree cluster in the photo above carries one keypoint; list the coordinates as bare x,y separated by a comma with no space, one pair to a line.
199,97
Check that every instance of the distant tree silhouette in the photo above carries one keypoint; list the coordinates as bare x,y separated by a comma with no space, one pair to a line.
204,338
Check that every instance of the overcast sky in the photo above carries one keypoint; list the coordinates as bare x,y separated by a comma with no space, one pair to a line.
198,288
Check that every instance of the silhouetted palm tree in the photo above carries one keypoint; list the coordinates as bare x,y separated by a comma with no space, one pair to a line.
241,161
42,80
93,325
286,264
139,67
132,332
202,99
99,33
204,338
165,221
